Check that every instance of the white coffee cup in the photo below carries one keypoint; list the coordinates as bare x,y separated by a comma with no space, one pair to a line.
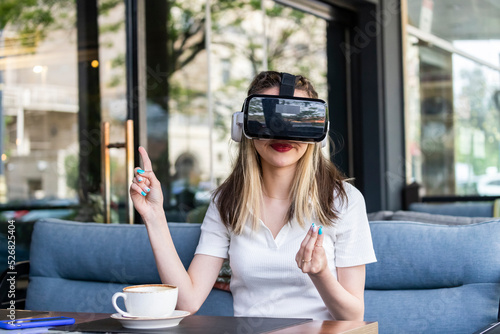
149,300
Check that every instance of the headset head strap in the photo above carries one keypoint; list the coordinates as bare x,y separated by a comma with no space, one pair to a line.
287,87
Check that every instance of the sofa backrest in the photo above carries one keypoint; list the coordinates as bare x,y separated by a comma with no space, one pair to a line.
429,278
464,209
424,217
433,278
78,266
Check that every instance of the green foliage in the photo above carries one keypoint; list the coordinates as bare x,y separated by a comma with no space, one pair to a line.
111,27
33,19
115,81
118,61
197,215
482,118
11,10
275,11
184,96
105,6
255,4
71,168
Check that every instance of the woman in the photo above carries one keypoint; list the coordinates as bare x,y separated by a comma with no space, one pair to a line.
295,232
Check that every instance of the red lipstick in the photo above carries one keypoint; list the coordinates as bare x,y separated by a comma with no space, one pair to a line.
281,147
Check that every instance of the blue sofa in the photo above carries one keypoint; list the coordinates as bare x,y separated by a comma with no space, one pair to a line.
429,278
433,278
77,267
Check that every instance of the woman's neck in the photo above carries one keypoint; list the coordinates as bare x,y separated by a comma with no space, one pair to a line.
277,182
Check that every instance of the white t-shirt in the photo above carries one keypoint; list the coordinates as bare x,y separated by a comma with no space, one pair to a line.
266,281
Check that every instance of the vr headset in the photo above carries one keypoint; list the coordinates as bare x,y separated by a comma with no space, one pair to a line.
282,116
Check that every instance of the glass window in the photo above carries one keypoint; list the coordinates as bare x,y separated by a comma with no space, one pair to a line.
453,96
38,115
112,76
197,73
189,117
39,106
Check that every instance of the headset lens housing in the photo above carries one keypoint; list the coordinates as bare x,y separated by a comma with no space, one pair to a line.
287,118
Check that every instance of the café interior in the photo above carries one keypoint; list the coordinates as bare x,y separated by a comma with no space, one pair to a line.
413,93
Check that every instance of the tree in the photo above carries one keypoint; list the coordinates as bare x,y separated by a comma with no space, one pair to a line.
483,118
175,36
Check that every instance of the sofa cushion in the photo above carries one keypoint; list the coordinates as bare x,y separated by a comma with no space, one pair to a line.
463,309
57,294
78,266
430,256
105,251
430,218
433,278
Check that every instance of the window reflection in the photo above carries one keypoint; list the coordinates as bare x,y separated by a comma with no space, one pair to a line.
453,80
40,102
40,94
179,138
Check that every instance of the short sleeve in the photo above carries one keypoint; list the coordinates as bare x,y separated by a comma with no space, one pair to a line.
353,245
214,238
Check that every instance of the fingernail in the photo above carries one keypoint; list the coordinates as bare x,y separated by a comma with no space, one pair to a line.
143,193
139,179
320,230
148,190
140,171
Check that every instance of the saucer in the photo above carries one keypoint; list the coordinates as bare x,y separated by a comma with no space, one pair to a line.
150,323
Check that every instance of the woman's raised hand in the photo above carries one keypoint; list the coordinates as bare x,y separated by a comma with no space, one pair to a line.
145,189
311,257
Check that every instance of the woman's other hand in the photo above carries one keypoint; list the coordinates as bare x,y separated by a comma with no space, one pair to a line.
145,189
311,257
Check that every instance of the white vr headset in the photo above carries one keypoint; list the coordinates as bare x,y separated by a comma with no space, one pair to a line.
282,116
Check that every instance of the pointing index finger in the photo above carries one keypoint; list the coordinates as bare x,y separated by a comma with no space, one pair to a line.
145,159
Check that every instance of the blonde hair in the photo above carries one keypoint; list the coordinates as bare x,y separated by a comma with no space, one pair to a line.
316,183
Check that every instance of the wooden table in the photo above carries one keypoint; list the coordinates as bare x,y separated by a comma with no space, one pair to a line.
310,327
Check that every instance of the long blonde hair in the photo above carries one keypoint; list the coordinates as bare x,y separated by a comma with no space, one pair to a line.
315,184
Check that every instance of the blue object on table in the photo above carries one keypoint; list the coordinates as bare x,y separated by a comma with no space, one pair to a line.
36,322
